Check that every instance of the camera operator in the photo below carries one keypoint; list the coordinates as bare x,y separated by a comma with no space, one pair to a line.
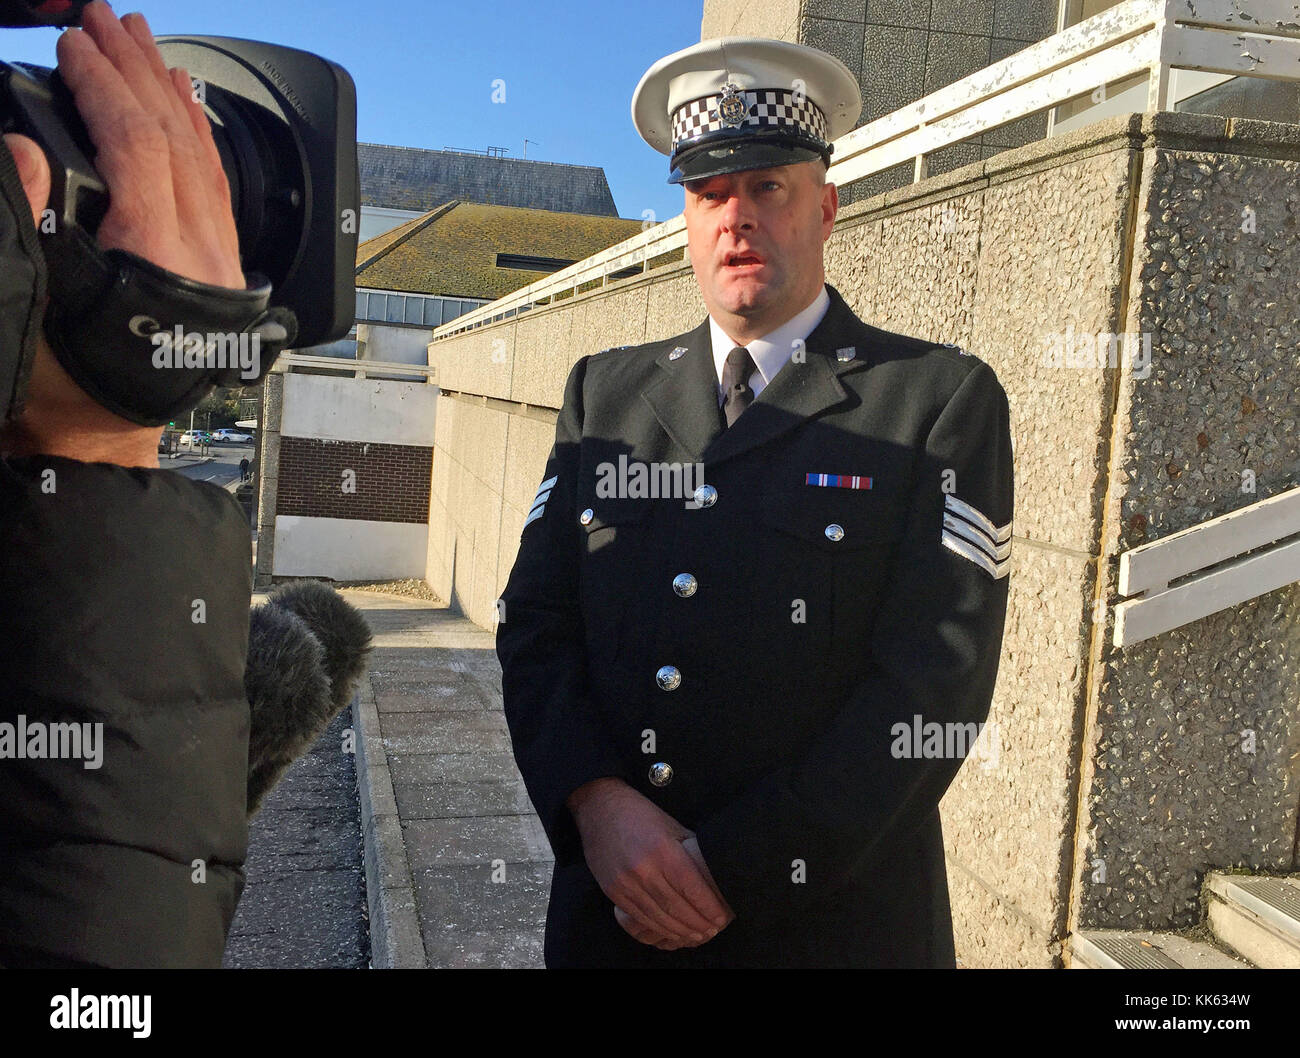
125,588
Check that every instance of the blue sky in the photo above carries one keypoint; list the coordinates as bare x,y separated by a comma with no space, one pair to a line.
424,71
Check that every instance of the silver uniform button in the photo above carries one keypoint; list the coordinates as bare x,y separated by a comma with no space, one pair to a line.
586,516
661,774
668,678
685,585
706,496
834,532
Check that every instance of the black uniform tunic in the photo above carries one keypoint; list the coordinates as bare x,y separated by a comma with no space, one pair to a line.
849,556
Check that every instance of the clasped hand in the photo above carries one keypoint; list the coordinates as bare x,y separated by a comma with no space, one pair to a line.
649,866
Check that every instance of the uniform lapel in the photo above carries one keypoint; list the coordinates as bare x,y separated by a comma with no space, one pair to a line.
800,390
684,396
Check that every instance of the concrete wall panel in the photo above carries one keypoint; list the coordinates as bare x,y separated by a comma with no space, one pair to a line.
1193,751
351,409
1051,256
349,549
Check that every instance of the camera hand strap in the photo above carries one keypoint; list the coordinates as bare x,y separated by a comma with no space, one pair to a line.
22,287
149,344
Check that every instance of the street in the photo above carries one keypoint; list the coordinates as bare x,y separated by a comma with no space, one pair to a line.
304,903
222,470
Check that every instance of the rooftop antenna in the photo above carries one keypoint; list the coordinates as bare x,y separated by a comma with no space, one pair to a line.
526,143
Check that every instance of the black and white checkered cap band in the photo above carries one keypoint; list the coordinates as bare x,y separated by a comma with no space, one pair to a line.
765,108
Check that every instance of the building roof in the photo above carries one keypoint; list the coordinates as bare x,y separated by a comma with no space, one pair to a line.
453,250
415,178
372,249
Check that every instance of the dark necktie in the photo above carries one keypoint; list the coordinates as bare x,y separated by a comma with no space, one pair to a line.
735,383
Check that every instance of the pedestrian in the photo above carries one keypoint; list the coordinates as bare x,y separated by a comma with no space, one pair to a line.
243,469
712,697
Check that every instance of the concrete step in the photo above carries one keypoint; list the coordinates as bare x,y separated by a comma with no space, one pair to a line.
1125,949
1256,916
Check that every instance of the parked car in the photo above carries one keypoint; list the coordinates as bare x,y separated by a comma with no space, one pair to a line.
232,436
192,438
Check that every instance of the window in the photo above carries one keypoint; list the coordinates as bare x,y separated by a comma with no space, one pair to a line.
532,264
410,310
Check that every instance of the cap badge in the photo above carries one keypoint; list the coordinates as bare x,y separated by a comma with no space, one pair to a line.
731,106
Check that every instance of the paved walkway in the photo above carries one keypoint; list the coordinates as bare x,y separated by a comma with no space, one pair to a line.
457,864
304,900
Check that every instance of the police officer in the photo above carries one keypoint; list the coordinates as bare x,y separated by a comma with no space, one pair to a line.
736,708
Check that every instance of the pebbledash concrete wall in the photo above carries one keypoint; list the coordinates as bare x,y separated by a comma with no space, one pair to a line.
1121,775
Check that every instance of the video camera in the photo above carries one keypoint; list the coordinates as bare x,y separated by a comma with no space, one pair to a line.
284,122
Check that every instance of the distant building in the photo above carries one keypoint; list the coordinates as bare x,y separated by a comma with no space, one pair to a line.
401,183
445,262
401,190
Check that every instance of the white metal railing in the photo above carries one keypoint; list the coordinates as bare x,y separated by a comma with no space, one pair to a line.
341,365
1269,529
1254,38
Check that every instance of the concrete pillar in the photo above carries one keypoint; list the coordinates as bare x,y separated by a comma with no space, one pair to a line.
268,475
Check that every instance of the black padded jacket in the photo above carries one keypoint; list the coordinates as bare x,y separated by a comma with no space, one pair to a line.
124,597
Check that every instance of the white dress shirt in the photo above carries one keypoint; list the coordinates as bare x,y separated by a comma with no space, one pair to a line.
772,351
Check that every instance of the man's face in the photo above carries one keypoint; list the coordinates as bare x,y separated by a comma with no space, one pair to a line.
756,240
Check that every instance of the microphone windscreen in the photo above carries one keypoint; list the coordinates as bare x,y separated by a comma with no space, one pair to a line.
339,626
288,696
